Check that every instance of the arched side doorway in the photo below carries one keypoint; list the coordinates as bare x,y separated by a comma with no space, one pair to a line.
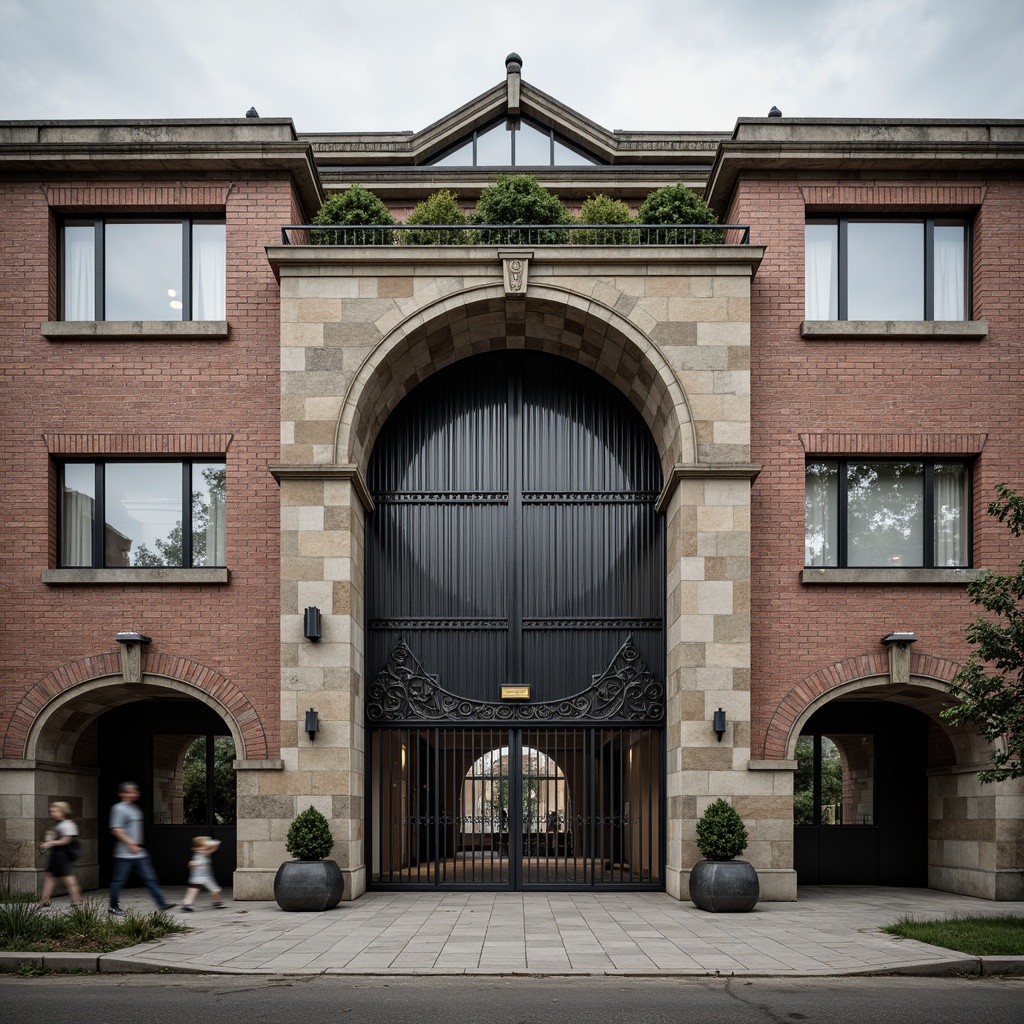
180,752
166,732
861,796
515,580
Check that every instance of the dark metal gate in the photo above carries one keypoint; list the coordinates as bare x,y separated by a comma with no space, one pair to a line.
516,552
516,808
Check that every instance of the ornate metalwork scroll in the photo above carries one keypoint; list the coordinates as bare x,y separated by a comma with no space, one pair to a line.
625,691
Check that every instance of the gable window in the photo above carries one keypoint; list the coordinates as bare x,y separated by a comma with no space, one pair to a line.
898,269
150,514
522,145
886,513
160,268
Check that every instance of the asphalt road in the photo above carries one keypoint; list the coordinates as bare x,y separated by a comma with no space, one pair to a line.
193,999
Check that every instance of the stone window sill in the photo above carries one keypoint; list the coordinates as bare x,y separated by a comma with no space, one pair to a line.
133,577
891,577
134,330
897,330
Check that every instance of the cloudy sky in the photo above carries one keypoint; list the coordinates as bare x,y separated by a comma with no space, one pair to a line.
343,65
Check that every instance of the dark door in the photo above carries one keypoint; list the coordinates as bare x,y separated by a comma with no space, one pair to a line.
180,754
514,543
860,805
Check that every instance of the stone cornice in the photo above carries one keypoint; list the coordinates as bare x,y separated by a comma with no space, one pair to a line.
350,473
704,471
585,260
97,149
882,146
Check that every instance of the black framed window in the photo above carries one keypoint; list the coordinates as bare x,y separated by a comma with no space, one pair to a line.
157,268
890,513
521,143
887,269
834,782
143,514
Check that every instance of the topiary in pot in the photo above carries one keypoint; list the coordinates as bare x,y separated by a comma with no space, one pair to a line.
720,883
354,208
677,204
309,882
440,208
519,199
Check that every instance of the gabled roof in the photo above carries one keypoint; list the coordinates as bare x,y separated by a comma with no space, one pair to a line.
393,163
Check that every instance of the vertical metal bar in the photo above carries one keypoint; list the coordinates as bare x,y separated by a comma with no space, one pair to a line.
435,804
186,514
99,519
515,807
651,739
210,818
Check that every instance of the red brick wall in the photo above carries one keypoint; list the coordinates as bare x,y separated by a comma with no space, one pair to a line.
179,388
915,389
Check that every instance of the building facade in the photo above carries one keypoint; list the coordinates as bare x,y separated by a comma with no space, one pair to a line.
467,544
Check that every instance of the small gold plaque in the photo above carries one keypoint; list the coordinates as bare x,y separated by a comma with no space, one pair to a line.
515,693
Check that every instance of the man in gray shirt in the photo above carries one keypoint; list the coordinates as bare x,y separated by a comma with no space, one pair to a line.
129,855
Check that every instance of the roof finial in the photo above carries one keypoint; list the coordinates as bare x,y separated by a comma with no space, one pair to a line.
513,65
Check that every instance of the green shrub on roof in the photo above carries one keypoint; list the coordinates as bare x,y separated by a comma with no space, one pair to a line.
355,206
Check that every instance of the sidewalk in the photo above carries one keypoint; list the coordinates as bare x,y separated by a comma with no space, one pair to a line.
829,931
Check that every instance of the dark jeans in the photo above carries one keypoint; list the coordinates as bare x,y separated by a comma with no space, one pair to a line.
143,867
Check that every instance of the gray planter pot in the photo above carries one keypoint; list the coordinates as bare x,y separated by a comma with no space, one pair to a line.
724,885
308,885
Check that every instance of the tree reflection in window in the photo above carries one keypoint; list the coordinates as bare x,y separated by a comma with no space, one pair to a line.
193,780
834,783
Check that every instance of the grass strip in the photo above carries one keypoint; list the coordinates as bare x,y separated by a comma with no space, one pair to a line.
85,929
1000,935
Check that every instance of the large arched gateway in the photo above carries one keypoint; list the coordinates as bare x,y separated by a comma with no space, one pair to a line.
515,632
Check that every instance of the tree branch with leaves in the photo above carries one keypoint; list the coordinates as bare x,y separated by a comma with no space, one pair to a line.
990,686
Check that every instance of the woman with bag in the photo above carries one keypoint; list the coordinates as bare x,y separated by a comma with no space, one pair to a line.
64,848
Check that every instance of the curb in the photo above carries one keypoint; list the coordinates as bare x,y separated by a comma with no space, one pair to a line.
121,962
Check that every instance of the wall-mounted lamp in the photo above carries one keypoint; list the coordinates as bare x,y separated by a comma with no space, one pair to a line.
898,644
312,724
899,638
719,724
311,624
131,655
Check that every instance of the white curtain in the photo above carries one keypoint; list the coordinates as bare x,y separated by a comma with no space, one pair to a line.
216,540
950,515
79,272
821,503
208,272
76,529
821,258
949,273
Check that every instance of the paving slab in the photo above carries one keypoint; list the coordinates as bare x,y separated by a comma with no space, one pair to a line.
827,931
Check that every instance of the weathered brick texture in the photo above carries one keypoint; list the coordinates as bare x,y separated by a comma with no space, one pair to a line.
859,396
165,397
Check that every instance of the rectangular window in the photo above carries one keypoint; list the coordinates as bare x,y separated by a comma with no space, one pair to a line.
861,513
162,268
143,514
873,269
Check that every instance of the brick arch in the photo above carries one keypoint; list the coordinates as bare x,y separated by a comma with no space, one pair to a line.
80,690
845,677
550,319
